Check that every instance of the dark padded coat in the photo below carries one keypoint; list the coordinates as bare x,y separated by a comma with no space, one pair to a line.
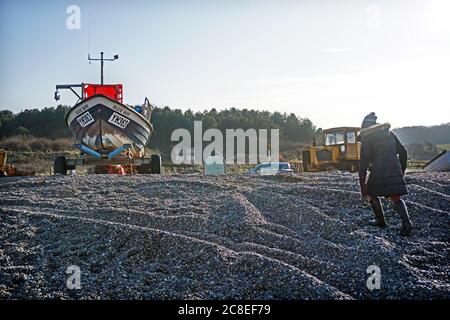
385,157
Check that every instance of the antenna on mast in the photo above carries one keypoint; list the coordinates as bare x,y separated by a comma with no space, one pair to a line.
89,38
102,61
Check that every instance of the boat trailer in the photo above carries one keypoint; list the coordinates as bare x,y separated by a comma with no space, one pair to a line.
116,161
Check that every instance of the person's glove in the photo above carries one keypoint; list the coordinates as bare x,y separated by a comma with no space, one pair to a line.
363,186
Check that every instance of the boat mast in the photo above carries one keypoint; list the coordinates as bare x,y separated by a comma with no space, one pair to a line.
102,62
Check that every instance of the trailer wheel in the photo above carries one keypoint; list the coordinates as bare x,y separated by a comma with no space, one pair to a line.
60,165
155,164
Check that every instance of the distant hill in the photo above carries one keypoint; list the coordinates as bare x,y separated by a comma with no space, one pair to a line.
420,134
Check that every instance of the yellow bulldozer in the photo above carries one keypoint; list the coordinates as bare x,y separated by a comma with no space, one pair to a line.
340,150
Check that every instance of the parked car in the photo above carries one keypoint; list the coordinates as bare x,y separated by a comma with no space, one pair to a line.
272,168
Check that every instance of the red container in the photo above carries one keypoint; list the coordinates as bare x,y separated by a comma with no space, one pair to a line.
113,91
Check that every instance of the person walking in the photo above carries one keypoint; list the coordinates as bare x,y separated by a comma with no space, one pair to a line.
385,157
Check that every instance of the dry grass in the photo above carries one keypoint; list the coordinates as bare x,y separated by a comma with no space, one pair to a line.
36,154
39,161
35,144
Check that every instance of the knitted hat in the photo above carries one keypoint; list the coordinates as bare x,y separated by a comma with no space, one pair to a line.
369,120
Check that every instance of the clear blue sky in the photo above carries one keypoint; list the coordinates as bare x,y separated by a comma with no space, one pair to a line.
330,61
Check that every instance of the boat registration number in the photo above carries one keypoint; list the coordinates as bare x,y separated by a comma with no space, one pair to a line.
85,119
118,120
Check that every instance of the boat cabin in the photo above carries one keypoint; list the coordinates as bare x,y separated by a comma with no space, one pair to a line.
113,91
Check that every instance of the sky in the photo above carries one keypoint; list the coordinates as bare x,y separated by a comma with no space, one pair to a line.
330,61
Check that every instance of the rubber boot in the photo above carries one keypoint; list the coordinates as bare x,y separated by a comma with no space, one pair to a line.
377,208
407,226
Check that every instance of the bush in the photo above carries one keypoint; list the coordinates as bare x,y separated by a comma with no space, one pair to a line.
16,143
61,144
422,151
39,144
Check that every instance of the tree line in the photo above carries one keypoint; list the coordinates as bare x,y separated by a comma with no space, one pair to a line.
49,123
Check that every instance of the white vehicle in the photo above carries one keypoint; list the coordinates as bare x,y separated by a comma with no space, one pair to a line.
272,168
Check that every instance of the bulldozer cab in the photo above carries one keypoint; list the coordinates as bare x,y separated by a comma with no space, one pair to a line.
345,139
340,150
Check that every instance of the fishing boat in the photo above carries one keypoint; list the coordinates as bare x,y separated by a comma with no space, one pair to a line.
101,121
108,131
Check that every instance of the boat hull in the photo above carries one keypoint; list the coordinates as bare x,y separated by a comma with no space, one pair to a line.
105,124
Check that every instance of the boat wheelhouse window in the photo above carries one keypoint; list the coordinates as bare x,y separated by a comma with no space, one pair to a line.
351,137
